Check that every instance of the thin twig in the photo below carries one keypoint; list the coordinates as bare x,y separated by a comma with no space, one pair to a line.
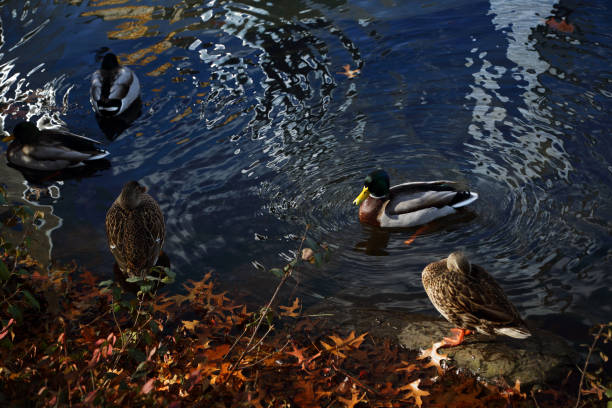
586,363
362,385
267,308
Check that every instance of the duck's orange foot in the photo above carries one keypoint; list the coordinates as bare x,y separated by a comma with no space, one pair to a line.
457,339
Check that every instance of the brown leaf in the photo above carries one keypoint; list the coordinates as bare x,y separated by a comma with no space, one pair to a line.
414,392
435,357
290,311
355,399
190,325
349,72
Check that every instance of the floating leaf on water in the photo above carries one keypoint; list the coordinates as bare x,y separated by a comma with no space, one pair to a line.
307,254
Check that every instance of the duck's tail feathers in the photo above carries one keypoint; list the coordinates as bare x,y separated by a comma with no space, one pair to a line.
102,154
464,198
516,332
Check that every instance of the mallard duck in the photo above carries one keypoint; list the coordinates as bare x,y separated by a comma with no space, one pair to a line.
408,204
113,87
468,297
51,149
135,230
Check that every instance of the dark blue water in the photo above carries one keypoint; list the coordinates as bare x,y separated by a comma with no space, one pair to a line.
248,133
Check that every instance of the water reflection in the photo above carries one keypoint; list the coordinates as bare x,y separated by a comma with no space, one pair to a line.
246,130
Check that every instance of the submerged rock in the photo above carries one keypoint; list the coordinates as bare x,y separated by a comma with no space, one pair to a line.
541,358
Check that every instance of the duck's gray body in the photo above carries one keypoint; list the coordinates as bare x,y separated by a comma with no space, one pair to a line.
113,90
415,203
53,149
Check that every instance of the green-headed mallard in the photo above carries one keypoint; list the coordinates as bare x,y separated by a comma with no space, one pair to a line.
468,297
408,204
135,230
50,149
113,87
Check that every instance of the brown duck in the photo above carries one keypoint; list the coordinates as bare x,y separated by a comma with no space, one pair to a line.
468,297
135,230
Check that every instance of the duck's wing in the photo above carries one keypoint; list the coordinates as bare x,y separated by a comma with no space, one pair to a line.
145,236
479,299
63,144
17,156
413,218
125,88
409,197
115,231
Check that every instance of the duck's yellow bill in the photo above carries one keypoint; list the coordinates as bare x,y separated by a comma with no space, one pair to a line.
365,193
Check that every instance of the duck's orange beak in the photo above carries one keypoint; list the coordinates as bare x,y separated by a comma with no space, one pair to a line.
365,193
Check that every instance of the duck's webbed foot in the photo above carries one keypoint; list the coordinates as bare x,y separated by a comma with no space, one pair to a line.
457,339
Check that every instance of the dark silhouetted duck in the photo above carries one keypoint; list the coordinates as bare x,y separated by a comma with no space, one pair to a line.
113,87
468,297
135,230
408,204
51,149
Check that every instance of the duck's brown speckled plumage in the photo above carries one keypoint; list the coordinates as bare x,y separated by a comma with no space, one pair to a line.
467,296
135,230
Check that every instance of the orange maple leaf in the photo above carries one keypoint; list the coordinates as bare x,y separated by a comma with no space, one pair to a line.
350,73
290,310
299,354
355,399
414,392
351,342
435,357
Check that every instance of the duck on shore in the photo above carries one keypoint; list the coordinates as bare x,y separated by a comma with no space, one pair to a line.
408,204
468,297
135,230
51,149
114,88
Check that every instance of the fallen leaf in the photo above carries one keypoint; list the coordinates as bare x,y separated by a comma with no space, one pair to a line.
350,73
355,399
290,311
435,357
307,254
414,392
148,387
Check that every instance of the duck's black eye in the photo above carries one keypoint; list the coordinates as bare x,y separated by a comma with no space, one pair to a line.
368,180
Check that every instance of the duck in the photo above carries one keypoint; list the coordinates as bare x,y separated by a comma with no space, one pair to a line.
409,204
51,149
467,296
135,230
114,88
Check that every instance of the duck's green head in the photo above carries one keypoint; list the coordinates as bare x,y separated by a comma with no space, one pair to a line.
110,62
376,184
26,132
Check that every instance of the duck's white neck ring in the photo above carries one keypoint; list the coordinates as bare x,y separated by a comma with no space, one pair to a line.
377,197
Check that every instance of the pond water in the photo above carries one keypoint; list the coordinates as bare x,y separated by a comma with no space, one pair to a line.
248,132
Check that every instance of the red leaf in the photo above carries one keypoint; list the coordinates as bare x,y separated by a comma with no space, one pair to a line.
148,387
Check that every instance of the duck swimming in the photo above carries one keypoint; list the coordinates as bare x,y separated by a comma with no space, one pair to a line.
135,230
51,149
468,297
408,204
113,87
